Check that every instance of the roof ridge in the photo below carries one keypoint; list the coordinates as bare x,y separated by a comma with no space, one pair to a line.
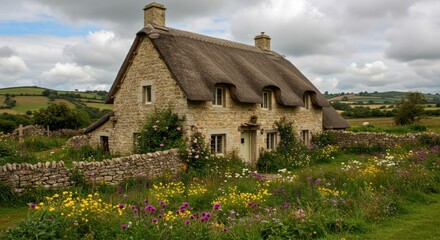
213,40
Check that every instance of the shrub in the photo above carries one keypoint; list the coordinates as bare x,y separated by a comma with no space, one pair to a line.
198,153
324,138
59,116
162,130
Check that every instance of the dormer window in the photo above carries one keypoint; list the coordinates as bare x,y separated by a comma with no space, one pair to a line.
306,100
267,100
218,97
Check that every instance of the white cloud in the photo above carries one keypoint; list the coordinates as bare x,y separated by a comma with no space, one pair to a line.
69,72
101,49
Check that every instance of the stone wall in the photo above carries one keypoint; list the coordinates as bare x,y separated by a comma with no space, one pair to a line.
347,139
38,130
112,172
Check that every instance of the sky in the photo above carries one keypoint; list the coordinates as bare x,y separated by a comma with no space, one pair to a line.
339,45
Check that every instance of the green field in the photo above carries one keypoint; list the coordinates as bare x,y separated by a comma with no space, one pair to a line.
433,123
22,90
32,103
100,106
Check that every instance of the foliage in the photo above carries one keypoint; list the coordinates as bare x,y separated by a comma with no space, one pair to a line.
59,116
162,130
287,135
9,122
88,153
42,143
316,202
197,154
324,138
409,109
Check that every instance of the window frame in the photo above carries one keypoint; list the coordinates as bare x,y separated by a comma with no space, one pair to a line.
267,100
305,137
271,140
306,100
216,141
216,102
147,94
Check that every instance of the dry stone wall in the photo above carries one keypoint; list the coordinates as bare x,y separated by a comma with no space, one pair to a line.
111,172
346,139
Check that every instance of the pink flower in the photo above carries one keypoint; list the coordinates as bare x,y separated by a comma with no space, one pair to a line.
161,145
178,129
197,156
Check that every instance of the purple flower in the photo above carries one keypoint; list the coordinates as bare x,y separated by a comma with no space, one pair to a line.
32,205
216,206
154,220
121,205
187,222
225,229
124,226
202,219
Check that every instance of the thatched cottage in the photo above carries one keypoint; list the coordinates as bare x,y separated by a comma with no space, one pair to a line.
231,92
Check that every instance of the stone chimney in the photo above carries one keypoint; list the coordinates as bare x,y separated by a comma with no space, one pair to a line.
154,13
262,41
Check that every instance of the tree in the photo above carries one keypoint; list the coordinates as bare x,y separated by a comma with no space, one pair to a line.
59,116
409,109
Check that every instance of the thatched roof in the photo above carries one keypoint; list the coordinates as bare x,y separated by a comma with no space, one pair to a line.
198,63
332,119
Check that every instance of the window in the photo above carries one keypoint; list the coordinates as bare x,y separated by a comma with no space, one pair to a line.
147,96
306,100
271,140
218,98
305,137
218,143
266,100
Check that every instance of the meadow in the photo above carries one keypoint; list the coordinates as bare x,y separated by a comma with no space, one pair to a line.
332,194
432,123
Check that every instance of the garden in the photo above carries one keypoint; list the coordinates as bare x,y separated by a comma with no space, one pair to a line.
296,192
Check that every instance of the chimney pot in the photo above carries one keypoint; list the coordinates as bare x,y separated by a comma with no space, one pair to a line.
262,41
154,13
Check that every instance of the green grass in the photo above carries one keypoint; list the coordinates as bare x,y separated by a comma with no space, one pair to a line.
9,217
100,106
421,222
433,123
32,103
22,90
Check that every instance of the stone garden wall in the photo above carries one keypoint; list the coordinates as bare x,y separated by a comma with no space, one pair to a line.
347,139
112,172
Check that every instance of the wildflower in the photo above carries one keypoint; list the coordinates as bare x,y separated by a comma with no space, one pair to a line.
178,129
217,206
154,220
121,205
187,222
124,226
32,205
225,229
161,145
